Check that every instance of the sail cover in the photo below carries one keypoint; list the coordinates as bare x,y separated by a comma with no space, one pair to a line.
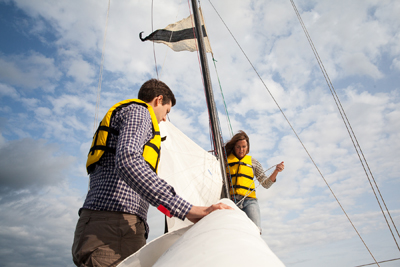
193,172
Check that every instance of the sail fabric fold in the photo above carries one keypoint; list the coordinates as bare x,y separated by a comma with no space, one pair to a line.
179,36
194,173
222,238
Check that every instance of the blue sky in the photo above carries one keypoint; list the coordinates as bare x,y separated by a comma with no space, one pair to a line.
50,54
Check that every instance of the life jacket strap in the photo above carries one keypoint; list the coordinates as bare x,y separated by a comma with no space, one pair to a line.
239,163
244,175
153,146
108,129
242,187
104,148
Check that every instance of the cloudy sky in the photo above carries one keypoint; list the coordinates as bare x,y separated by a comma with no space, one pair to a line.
50,55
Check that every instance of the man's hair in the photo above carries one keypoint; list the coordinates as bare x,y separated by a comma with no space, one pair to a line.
153,88
229,146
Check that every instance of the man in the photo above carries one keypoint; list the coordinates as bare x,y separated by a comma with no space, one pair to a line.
122,163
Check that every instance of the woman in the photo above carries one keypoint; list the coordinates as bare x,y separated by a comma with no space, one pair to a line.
242,168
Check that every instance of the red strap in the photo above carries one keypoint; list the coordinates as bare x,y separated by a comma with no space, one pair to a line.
164,210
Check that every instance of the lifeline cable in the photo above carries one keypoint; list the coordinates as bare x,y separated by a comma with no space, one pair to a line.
287,120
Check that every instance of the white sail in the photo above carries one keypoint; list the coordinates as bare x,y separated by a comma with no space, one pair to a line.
222,238
194,173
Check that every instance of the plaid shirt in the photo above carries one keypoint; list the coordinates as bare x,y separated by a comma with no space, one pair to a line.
123,181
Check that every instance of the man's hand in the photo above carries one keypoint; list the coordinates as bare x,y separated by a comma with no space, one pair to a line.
196,213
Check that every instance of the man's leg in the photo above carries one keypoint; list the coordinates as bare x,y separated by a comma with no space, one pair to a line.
106,238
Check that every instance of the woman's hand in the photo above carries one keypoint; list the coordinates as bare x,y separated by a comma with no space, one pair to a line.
280,167
277,170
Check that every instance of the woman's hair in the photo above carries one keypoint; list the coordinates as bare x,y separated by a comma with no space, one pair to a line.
230,145
153,88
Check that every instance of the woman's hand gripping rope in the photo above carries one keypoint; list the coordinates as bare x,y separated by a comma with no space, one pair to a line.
279,168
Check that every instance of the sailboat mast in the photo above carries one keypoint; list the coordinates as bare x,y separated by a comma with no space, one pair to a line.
210,97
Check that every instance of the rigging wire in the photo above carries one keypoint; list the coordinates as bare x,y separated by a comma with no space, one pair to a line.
378,262
309,155
96,113
219,81
154,47
346,121
223,98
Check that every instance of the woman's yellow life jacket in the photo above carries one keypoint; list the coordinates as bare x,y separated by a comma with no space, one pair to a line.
242,175
151,150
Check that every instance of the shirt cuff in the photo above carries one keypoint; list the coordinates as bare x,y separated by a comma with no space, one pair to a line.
179,207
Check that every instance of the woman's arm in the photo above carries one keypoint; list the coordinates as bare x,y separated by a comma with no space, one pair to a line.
278,169
264,180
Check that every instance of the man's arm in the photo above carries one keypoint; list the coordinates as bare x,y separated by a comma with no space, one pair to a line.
135,131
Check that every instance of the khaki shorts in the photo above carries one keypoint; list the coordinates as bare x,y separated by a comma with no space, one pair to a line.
105,238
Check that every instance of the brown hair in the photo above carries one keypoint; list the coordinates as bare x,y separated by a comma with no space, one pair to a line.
230,145
153,88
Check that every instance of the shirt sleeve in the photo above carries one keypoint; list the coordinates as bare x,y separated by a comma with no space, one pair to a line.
262,178
134,132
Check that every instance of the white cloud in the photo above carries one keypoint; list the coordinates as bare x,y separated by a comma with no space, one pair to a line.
31,164
360,64
6,90
66,103
81,71
395,64
30,103
37,230
31,72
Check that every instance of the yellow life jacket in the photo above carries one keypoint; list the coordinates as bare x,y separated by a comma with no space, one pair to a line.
242,175
151,150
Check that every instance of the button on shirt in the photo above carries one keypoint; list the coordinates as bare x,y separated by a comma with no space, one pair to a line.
124,182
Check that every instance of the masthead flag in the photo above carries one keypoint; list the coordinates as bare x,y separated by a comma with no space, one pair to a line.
179,36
